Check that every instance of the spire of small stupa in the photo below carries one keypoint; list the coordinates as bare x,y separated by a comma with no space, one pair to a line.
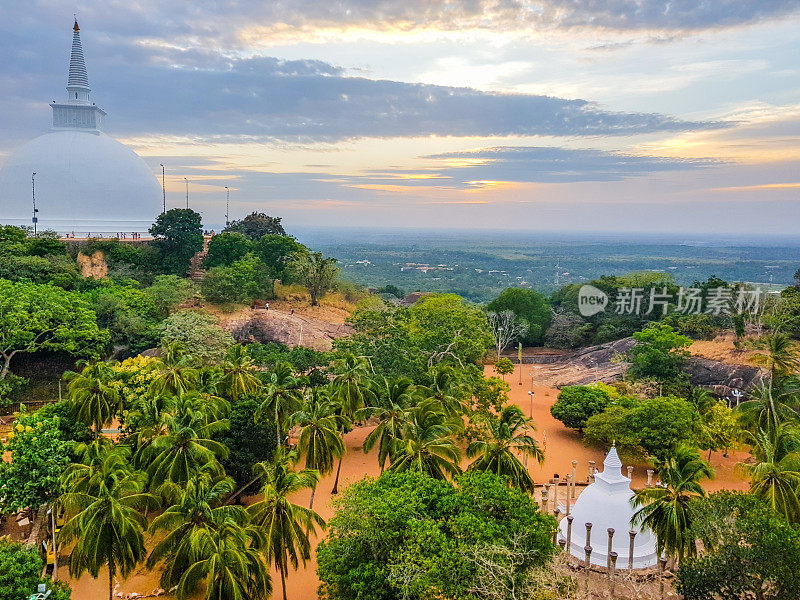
78,81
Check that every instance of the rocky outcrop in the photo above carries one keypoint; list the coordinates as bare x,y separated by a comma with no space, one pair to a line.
719,377
93,266
290,330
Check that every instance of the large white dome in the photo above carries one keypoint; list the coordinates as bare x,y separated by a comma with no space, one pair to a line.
605,504
81,176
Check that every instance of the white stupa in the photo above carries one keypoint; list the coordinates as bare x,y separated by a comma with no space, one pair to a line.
84,178
607,503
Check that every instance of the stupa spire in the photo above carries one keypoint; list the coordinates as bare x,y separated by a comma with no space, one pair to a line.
78,81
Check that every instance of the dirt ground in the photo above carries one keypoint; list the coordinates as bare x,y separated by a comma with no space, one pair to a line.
562,446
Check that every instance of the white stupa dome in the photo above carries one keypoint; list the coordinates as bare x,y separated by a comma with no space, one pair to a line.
605,504
84,178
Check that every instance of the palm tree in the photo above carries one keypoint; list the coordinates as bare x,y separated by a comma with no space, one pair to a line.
393,400
775,477
444,388
186,445
426,444
664,508
239,376
286,527
81,477
496,453
200,507
176,375
227,562
107,522
770,404
282,396
352,391
320,436
779,354
93,396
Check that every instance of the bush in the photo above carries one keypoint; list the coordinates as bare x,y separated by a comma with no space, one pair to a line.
20,570
750,551
225,249
577,403
403,535
243,281
169,291
199,333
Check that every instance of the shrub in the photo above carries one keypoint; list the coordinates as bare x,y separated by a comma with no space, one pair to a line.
243,281
225,249
199,332
577,403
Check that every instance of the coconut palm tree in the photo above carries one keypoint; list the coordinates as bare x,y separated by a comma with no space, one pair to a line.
175,374
393,399
200,507
664,508
777,353
81,477
107,522
775,477
286,527
426,444
282,396
186,445
320,435
770,404
352,390
507,436
94,398
444,388
226,562
239,376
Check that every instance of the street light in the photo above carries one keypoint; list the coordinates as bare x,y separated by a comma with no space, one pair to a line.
163,191
35,219
227,206
187,192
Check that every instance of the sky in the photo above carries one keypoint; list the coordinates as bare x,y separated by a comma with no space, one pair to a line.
561,115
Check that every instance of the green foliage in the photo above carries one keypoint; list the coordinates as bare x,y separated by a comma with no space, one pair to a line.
20,570
277,252
243,281
660,352
200,334
301,358
720,428
392,290
256,225
226,248
504,367
179,236
652,426
530,307
249,442
577,403
129,314
316,272
696,326
750,552
168,291
43,317
59,270
39,453
404,535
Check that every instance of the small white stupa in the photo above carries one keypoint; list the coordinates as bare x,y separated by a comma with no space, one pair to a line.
607,503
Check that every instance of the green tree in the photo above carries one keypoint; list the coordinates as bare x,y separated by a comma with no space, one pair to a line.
664,508
316,272
577,403
226,248
282,396
20,570
44,317
393,398
277,251
749,551
178,235
248,441
239,376
242,281
200,333
108,524
505,437
287,527
39,453
660,352
169,291
504,367
320,433
529,306
426,444
720,428
775,476
406,535
256,225
94,397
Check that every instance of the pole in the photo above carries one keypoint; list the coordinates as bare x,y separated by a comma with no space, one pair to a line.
227,206
520,363
163,191
187,192
55,551
631,533
35,219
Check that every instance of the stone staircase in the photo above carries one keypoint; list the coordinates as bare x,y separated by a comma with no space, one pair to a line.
195,266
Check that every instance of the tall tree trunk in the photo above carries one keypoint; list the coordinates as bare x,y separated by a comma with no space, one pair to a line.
283,582
313,491
110,577
335,489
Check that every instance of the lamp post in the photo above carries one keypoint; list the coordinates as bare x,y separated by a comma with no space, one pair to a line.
227,206
35,219
187,192
163,190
